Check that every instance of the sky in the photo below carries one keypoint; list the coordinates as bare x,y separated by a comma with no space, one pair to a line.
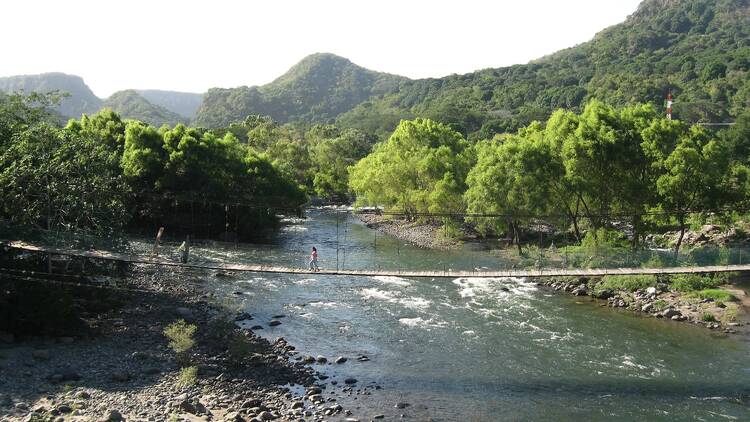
193,45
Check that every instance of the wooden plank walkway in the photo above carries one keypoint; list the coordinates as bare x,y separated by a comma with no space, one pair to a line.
535,273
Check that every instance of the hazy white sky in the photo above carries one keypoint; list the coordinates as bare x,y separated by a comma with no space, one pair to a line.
192,45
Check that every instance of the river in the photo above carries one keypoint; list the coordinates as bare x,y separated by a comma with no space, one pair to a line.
477,349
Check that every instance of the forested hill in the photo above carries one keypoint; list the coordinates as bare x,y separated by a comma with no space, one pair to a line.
131,105
183,103
81,99
152,106
317,89
697,49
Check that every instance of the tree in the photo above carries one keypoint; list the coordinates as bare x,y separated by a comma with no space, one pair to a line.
691,166
421,168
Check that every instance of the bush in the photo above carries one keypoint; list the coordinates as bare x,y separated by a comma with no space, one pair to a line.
694,282
188,376
708,317
660,305
181,336
715,294
626,282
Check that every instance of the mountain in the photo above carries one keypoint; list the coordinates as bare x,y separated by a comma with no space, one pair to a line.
81,99
699,50
183,103
317,89
131,105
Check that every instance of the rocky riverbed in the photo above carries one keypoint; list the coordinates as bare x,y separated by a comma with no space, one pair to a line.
121,368
423,234
661,302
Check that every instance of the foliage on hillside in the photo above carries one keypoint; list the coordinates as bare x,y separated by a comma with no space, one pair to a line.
697,49
131,105
317,157
80,99
183,103
317,89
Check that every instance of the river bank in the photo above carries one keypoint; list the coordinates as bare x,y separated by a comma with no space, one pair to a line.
121,367
662,301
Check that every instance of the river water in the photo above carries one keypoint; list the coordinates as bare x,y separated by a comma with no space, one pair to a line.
478,349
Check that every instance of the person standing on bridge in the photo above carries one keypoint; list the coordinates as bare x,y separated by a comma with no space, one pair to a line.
314,260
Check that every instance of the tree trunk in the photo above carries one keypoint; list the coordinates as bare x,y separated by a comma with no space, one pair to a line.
516,237
636,224
681,219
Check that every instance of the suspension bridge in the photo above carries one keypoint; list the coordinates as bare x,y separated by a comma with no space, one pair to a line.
259,268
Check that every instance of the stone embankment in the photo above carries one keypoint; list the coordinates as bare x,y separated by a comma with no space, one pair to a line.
661,302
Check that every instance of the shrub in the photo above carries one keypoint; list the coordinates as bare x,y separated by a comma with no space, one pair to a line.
626,282
181,339
660,305
708,317
188,376
715,294
693,282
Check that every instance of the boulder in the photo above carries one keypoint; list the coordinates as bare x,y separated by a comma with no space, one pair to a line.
670,312
604,294
647,307
274,322
651,291
350,381
113,416
340,359
266,416
321,359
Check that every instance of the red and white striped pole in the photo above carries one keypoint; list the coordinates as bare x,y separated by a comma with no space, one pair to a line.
670,101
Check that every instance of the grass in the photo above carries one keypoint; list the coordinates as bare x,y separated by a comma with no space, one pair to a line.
730,314
626,282
188,376
715,294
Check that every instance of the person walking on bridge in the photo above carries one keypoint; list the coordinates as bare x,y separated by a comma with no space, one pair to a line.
314,260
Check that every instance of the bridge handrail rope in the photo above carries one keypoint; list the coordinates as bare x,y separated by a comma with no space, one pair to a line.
223,265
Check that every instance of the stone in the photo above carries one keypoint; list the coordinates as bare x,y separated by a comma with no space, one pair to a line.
350,381
279,316
314,390
256,327
114,416
401,405
298,405
321,359
670,312
647,307
308,359
64,408
379,417
41,354
363,358
274,323
83,395
187,406
604,294
340,359
233,417
243,316
651,290
266,416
